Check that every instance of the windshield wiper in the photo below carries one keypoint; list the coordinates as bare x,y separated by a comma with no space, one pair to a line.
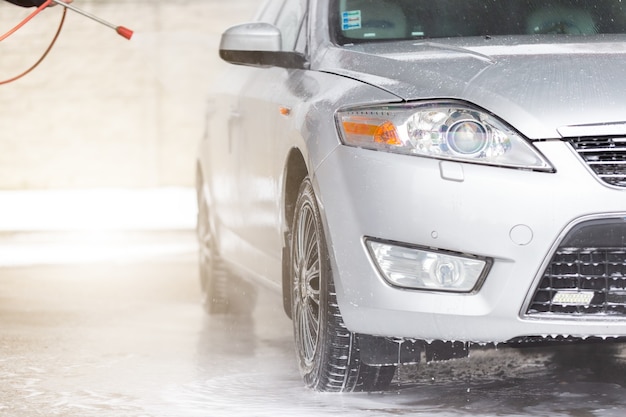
445,47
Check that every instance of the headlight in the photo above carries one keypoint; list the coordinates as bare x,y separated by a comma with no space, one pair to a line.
427,269
445,130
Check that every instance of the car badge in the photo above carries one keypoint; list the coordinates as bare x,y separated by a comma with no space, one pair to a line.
573,298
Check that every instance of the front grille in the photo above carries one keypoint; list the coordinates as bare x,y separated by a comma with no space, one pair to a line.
605,156
586,275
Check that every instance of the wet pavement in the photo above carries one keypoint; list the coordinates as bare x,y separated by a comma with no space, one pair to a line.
123,334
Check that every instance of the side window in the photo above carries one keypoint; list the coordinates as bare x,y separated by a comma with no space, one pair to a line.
290,22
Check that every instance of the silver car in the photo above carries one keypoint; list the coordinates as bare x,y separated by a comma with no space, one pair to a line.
414,176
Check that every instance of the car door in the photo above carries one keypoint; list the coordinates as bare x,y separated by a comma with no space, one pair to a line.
264,109
228,114
218,152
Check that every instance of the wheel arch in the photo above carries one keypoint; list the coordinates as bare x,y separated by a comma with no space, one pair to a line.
295,172
199,177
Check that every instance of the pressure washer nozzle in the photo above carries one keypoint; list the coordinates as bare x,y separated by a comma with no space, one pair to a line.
125,32
121,30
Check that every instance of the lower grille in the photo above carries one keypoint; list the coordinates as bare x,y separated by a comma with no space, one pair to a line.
587,274
605,156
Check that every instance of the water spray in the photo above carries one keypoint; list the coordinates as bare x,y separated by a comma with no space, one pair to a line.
121,30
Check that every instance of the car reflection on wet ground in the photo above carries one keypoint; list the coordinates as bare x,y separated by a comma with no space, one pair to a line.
124,335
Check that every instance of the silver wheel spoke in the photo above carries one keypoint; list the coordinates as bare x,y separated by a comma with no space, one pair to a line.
307,283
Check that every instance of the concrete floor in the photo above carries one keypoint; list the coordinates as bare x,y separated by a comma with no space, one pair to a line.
123,334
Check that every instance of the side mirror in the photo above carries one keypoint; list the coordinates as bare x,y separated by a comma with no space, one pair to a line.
258,45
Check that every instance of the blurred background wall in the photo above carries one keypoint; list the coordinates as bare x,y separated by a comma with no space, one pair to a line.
102,111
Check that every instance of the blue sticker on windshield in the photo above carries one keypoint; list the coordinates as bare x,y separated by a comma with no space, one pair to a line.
351,20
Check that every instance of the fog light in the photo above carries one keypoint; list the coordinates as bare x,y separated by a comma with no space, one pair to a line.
447,273
427,269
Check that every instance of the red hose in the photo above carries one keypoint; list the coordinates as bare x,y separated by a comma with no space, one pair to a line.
22,23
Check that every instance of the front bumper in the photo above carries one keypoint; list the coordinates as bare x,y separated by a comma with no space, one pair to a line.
514,217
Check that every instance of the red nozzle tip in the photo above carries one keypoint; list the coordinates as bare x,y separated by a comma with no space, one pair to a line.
125,32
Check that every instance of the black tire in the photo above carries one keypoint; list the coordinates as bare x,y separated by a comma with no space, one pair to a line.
213,274
327,352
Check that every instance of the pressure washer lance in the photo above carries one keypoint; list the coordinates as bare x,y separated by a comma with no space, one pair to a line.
121,30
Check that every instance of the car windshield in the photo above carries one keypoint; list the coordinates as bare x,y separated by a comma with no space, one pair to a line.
354,21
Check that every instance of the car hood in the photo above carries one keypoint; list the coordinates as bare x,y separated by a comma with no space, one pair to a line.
545,90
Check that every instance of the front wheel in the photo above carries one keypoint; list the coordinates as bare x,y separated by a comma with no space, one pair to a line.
327,352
